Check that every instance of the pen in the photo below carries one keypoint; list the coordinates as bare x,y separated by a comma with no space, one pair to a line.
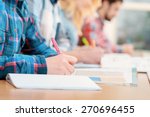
56,46
92,42
85,41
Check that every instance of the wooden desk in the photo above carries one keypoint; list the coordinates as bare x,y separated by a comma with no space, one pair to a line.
142,91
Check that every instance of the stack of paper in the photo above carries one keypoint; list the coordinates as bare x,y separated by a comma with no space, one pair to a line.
142,64
116,61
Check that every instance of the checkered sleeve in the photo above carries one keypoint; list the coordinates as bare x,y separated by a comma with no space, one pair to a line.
22,64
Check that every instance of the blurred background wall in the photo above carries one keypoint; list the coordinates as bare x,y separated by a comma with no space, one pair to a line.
132,25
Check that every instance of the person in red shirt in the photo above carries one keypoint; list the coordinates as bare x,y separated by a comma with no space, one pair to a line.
93,28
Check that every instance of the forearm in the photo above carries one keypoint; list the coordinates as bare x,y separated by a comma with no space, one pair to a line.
22,64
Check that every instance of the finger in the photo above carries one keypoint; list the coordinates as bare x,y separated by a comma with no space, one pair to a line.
72,60
67,72
70,68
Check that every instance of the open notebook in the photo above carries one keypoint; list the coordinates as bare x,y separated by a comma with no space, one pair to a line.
53,82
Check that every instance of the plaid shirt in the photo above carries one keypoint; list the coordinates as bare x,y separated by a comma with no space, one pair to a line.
22,49
93,30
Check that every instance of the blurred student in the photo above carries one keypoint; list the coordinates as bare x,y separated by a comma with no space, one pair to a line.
46,14
70,15
73,13
22,49
93,27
